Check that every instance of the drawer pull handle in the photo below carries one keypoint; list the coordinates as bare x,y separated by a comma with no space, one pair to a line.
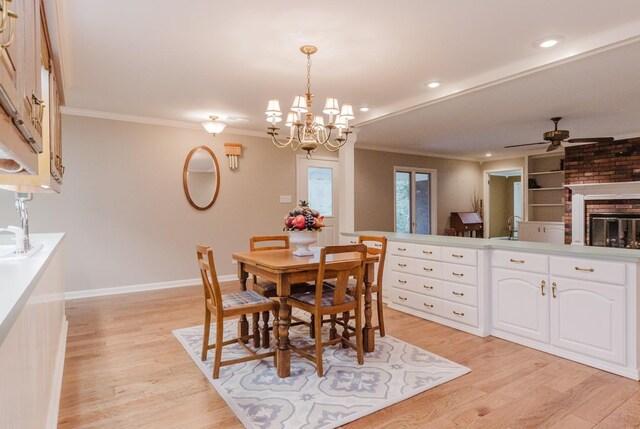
542,285
404,282
458,274
458,314
517,261
353,242
402,298
426,252
590,270
427,287
554,290
427,305
457,256
457,293
402,249
427,269
402,265
377,245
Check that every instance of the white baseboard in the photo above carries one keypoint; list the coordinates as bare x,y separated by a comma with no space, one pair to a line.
56,386
89,293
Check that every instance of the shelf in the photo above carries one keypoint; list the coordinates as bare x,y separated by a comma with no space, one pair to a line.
546,205
539,173
560,188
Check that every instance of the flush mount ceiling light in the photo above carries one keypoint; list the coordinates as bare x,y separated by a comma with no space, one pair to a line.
548,42
488,155
306,130
214,127
433,85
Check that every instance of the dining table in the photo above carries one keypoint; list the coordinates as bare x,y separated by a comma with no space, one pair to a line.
283,268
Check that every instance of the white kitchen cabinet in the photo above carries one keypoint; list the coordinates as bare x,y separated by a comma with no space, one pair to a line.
588,318
544,232
519,303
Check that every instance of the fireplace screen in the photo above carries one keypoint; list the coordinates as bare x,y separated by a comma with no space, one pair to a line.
615,230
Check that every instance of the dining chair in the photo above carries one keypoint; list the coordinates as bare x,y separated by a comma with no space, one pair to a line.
377,246
332,301
223,306
267,288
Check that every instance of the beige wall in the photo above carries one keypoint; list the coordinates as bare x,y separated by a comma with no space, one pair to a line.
503,164
124,210
374,186
501,207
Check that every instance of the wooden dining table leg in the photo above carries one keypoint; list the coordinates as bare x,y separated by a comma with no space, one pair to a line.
283,354
368,332
243,323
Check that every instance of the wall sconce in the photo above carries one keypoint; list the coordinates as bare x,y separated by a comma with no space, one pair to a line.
233,151
214,127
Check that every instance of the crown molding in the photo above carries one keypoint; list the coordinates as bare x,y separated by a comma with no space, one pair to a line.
414,152
88,113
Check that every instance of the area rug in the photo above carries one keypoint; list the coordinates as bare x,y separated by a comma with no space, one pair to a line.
393,372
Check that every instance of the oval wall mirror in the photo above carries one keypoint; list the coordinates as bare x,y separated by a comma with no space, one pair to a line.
201,178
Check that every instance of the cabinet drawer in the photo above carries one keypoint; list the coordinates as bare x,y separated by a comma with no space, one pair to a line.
374,244
431,269
588,269
459,274
345,239
403,265
424,251
418,302
459,255
520,261
458,293
460,313
402,281
431,287
402,249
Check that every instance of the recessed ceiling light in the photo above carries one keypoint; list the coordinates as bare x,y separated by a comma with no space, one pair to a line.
45,186
549,42
433,84
364,109
487,155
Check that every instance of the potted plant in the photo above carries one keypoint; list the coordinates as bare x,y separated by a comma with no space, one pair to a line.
303,224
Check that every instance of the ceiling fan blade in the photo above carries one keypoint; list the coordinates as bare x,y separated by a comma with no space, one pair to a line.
525,144
554,146
591,140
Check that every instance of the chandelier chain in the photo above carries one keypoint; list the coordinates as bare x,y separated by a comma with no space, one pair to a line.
309,74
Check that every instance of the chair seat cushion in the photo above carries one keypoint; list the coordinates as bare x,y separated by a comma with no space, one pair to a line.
244,298
268,289
327,298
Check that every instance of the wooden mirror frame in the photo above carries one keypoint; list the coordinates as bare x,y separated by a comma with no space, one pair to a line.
185,185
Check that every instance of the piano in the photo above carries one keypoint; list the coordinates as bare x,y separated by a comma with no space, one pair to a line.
464,222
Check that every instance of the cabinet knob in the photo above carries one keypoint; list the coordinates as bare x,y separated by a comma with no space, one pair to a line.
427,269
457,256
402,265
402,282
426,252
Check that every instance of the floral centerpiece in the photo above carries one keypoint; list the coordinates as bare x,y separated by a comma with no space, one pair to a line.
303,224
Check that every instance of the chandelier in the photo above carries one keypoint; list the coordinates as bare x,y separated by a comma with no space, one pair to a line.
306,130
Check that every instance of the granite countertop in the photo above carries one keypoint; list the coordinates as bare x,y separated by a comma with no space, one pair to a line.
593,252
19,278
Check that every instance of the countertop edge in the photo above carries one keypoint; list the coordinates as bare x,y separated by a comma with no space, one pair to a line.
612,254
7,323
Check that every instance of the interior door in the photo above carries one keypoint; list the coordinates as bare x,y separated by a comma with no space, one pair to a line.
317,183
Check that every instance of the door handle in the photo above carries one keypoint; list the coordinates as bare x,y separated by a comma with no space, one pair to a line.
542,285
554,290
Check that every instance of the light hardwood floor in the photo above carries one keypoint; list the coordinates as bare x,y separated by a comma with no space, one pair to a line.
124,369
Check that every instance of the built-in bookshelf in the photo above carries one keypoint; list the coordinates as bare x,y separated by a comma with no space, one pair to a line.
545,187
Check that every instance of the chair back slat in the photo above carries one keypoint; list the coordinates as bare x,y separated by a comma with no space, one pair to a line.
209,277
381,251
343,271
283,239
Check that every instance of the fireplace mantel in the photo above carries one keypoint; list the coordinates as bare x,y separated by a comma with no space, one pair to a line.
596,191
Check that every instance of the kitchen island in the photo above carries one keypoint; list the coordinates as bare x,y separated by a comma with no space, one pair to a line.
33,331
577,302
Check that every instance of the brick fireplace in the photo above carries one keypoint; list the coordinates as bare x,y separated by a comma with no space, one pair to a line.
600,178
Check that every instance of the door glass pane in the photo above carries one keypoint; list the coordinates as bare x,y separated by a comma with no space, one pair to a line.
320,182
423,203
403,201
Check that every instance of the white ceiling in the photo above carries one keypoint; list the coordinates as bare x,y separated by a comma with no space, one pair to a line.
184,62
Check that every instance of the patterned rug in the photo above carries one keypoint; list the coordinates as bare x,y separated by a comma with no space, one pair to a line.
394,372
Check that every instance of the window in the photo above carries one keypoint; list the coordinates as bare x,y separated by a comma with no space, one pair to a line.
415,208
320,189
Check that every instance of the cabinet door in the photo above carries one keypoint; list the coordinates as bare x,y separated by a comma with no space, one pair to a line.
30,105
554,234
588,318
529,232
519,303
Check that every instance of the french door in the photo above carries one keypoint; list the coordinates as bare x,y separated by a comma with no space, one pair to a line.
415,200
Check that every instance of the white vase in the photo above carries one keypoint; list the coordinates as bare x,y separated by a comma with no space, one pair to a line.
303,239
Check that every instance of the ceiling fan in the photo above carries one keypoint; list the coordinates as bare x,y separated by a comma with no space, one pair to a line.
557,137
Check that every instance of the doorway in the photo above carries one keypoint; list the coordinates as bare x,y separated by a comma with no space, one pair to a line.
317,183
503,203
415,203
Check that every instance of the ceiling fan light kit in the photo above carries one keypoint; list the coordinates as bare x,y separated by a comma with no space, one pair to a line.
306,130
556,137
